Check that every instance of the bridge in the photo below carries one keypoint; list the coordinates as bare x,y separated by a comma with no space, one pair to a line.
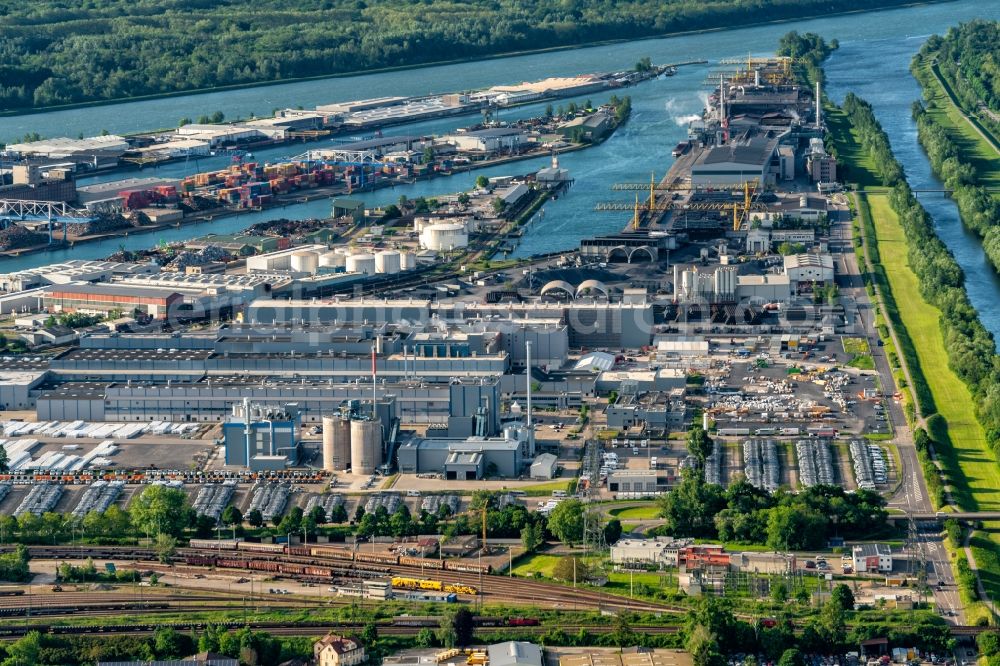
42,211
941,516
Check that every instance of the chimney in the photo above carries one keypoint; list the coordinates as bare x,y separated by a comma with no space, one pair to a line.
527,372
819,112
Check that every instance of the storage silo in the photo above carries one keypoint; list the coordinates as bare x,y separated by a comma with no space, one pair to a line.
361,263
336,443
366,446
388,262
445,236
305,262
332,260
407,261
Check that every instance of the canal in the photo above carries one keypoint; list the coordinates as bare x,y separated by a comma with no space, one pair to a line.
873,60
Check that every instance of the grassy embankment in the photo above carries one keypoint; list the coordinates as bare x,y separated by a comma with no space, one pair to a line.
967,460
979,149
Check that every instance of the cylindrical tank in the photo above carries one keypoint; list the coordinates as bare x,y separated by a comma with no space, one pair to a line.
344,250
366,446
332,260
408,261
361,263
444,236
305,262
336,443
387,261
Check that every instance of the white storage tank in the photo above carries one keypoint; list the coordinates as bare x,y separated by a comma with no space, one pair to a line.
305,262
366,446
388,262
361,263
344,250
336,443
408,261
332,260
444,236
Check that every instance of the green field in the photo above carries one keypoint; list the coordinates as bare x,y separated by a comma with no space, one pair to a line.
976,476
540,564
974,149
855,346
651,512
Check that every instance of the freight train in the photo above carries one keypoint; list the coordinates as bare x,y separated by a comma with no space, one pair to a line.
340,553
479,621
304,571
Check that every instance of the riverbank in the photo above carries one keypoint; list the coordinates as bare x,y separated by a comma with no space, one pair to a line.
875,6
285,200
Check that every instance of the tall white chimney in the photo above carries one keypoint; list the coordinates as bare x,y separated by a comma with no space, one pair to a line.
527,372
819,112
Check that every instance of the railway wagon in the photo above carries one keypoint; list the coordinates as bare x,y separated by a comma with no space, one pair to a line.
214,544
252,547
467,567
416,621
416,583
201,560
331,551
301,551
422,562
459,588
384,558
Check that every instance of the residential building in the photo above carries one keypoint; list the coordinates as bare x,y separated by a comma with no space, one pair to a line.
334,650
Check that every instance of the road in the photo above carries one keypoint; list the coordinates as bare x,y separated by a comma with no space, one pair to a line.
911,496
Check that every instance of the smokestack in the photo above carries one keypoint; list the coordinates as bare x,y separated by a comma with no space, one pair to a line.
819,113
527,372
246,427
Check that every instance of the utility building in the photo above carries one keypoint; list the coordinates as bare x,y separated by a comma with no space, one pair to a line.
266,436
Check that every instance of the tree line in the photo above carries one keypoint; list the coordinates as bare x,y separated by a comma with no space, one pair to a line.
970,347
968,58
979,210
59,53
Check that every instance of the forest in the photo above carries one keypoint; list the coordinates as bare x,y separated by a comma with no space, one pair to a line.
58,52
968,58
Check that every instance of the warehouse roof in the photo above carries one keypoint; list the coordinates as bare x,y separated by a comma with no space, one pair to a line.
112,290
757,151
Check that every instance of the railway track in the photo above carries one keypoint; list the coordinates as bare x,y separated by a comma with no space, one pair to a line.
493,587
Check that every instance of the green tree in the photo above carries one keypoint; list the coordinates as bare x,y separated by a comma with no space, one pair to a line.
168,643
612,531
338,514
425,638
369,634
4,460
428,155
232,516
571,569
255,518
218,117
463,625
166,547
24,651
566,521
704,648
690,507
318,515
548,111
209,641
792,657
532,537
699,444
159,510
482,182
498,205
843,597
779,592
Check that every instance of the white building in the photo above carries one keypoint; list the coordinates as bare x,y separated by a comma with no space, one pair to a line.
872,558
488,140
808,268
544,466
661,551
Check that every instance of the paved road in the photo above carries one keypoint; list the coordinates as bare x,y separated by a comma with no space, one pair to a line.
911,496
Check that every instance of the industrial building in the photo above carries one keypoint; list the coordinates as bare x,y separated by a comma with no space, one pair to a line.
544,466
469,458
872,558
106,298
492,140
657,411
733,164
660,552
808,269
262,437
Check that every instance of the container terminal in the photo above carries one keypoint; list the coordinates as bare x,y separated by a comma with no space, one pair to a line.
138,204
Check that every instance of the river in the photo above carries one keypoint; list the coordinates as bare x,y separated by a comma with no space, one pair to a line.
873,60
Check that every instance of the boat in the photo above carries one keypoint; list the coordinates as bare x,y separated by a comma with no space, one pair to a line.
681,148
